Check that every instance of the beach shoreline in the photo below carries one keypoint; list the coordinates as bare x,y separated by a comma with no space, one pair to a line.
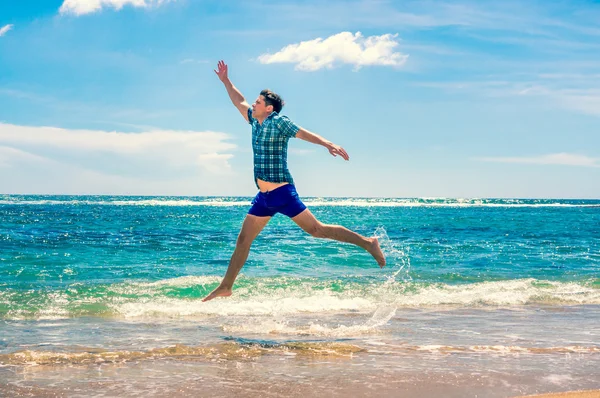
567,394
494,299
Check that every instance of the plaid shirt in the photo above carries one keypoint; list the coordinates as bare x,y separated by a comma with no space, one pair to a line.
269,144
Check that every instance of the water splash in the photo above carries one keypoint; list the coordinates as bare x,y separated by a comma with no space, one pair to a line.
381,316
399,262
397,258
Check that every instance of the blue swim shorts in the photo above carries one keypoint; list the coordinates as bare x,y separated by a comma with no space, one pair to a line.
284,200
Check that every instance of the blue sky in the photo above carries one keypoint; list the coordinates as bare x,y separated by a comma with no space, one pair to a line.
429,98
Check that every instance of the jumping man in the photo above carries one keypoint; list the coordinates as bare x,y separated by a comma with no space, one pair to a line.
277,194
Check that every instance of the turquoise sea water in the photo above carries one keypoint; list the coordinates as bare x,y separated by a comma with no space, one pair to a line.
469,284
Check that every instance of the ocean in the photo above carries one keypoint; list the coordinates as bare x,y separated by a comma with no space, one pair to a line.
101,296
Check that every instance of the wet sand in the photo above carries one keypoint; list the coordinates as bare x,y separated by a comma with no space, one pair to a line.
281,375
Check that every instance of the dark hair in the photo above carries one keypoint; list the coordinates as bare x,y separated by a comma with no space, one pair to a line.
273,99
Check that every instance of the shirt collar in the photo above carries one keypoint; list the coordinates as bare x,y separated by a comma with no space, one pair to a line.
271,115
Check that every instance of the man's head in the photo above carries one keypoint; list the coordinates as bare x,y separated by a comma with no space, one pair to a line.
266,103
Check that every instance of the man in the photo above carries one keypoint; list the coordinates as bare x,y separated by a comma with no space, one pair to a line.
277,194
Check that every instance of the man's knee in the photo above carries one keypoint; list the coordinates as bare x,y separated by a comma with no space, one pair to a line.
243,240
318,230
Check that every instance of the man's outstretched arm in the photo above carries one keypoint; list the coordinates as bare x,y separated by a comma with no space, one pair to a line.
234,94
333,149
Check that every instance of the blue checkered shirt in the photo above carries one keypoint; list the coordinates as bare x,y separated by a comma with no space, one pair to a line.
269,144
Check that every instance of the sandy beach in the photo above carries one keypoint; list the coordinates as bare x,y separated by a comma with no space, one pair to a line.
271,376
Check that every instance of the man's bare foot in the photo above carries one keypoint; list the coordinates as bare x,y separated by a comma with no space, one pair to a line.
218,292
376,252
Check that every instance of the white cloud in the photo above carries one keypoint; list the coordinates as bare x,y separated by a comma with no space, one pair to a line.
81,7
5,29
562,159
23,172
344,48
154,154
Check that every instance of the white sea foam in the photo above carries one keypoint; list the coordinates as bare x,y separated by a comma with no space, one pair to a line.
265,305
145,202
312,202
303,298
313,329
500,350
558,380
502,293
272,297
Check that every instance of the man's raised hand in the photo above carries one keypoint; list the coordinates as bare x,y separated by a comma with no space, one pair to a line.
221,71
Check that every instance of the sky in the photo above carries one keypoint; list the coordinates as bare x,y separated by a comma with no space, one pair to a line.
460,99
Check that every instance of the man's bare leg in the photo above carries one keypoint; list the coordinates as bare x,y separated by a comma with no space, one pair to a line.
250,230
307,221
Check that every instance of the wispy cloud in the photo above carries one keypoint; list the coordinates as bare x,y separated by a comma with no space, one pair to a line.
27,173
194,61
81,7
488,87
9,155
561,159
5,29
569,76
342,48
583,100
366,13
87,111
577,92
161,153
531,18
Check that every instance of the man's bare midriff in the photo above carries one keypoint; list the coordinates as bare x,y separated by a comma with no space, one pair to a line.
265,186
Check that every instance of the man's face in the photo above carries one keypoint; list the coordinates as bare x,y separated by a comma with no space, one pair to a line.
260,108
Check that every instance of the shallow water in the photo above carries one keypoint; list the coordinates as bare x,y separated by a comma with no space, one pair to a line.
100,296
